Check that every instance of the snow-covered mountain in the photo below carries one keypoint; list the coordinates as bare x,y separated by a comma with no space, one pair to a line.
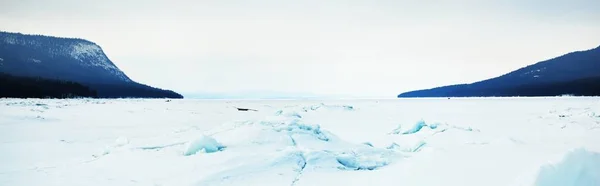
576,73
69,59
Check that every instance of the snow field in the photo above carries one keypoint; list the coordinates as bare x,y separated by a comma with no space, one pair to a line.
508,141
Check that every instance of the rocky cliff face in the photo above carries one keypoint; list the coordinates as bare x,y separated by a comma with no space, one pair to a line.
69,59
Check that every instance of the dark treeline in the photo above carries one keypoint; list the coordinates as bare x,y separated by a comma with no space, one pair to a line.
36,87
33,87
132,90
579,87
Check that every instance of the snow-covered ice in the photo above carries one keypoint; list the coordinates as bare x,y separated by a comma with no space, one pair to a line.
578,167
463,142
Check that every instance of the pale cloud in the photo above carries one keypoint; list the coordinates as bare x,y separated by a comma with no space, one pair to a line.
366,48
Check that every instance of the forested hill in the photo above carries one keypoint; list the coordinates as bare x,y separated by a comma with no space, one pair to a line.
576,73
72,60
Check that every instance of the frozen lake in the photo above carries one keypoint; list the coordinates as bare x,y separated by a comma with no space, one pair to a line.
429,142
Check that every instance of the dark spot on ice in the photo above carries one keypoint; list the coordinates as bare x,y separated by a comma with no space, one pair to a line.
245,109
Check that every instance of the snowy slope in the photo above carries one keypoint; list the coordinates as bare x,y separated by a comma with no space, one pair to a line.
463,142
57,58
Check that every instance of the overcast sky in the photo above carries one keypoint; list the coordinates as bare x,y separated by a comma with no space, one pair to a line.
342,47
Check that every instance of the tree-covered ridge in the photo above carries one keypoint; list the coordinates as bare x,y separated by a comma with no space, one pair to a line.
36,87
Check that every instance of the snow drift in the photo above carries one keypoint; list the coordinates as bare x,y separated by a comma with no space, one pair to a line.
578,168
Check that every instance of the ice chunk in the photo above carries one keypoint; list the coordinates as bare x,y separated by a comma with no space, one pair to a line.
205,144
416,128
321,160
578,168
274,121
362,161
419,146
288,114
397,130
468,129
393,146
121,141
434,125
312,108
301,128
343,107
414,147
116,146
323,105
